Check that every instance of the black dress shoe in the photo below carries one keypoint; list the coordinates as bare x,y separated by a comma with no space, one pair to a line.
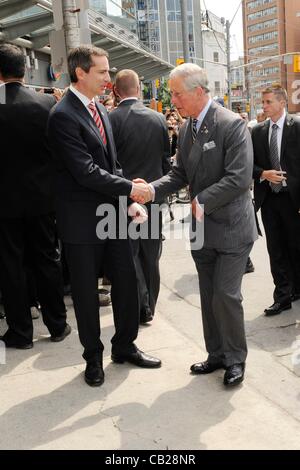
205,367
138,358
234,374
249,266
61,337
146,315
10,343
94,375
277,308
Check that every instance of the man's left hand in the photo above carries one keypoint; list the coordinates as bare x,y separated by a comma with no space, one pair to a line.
197,210
138,213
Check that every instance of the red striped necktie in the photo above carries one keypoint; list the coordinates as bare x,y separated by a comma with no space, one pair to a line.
98,121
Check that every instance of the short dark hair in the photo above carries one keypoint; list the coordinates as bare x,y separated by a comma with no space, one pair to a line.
277,90
12,61
82,57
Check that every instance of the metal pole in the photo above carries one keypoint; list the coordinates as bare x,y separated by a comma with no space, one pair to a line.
185,34
71,24
228,63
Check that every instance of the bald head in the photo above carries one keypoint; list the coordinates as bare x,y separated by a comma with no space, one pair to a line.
127,84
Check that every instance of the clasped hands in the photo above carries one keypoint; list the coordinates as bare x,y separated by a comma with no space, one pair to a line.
141,191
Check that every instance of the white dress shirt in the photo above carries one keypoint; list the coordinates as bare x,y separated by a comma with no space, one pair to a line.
84,99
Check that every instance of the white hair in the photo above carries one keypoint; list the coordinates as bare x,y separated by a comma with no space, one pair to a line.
193,76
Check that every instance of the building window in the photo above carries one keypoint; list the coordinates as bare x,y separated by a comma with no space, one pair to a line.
258,3
262,13
262,49
263,37
264,25
217,87
216,57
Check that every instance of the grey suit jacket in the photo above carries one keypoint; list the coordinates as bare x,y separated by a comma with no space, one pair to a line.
218,168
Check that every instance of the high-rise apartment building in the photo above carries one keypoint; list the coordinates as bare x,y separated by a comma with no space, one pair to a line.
160,28
271,32
99,5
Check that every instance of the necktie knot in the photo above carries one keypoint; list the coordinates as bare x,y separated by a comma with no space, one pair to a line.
92,106
274,127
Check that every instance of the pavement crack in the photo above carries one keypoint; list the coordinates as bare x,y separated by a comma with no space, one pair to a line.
181,297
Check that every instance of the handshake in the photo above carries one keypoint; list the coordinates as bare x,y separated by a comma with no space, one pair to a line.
141,191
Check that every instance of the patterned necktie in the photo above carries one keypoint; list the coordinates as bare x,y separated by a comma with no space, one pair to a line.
98,121
274,157
194,129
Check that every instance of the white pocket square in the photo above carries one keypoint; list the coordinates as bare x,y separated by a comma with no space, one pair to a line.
209,145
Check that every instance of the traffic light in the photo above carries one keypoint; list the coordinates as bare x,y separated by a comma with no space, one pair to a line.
296,63
225,99
180,61
157,83
247,107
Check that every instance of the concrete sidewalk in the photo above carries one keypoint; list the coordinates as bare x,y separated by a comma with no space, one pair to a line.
45,403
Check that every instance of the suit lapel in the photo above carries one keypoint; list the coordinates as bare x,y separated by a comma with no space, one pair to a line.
109,147
205,132
289,122
265,141
87,117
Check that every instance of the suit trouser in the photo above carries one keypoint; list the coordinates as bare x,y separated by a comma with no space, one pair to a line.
220,275
85,263
32,238
282,227
146,257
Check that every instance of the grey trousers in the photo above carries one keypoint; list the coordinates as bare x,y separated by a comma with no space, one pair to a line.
220,277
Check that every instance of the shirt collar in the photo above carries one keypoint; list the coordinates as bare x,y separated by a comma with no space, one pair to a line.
84,99
203,113
280,122
129,98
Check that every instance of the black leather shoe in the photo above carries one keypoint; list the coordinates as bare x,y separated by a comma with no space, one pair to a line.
234,374
205,367
249,266
138,358
146,315
295,297
58,338
277,308
10,343
94,375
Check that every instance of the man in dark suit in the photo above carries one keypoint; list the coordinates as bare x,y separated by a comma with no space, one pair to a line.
276,175
143,149
215,159
89,182
26,212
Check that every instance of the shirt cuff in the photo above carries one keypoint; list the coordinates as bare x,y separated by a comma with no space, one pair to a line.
152,191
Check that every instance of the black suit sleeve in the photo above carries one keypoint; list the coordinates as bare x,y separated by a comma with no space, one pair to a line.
257,149
166,164
68,146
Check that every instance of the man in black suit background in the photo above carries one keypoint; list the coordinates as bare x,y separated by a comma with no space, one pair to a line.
89,181
143,150
277,192
26,211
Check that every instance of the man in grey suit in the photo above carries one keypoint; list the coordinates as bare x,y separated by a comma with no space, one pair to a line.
215,158
143,150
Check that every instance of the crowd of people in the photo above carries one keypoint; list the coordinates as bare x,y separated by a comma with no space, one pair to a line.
82,182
